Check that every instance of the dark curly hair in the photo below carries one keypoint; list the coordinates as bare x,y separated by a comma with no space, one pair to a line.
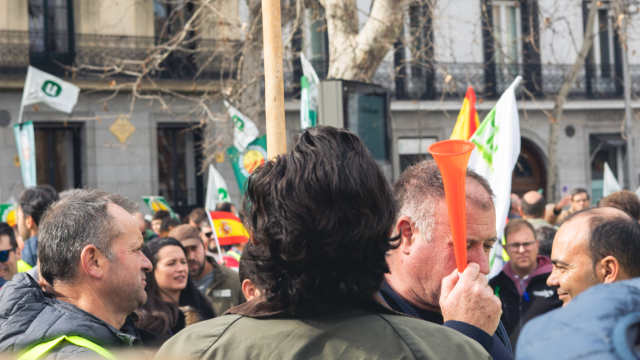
321,216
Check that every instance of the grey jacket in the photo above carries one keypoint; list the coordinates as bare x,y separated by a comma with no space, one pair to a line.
29,316
601,323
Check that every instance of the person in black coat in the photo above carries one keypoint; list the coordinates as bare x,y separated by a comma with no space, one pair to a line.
522,283
173,301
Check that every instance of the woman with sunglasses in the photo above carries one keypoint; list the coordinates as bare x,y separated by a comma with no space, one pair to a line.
173,301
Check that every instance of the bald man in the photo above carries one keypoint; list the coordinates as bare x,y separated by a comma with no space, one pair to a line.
594,246
532,208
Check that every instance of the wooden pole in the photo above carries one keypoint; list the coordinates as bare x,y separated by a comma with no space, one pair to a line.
273,78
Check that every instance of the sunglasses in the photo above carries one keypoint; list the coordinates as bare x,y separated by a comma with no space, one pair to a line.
4,255
208,234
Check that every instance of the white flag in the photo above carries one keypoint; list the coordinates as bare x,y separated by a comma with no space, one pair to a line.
610,184
217,191
46,88
245,131
497,149
308,94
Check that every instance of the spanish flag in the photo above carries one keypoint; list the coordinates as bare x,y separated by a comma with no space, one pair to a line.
228,228
468,120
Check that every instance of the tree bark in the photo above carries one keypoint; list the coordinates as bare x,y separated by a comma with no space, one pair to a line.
356,54
556,115
252,68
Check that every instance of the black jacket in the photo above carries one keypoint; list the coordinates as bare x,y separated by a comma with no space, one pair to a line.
29,316
517,310
497,345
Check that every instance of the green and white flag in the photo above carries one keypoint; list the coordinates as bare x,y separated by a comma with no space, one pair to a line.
25,141
244,131
217,191
8,213
610,183
309,94
497,149
41,87
157,203
246,161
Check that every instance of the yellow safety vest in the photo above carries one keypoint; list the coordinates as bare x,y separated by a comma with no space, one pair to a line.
234,255
42,349
23,266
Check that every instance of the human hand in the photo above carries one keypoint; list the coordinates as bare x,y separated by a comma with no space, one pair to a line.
468,298
565,201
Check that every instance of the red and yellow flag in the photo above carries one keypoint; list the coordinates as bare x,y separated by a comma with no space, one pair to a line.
468,120
228,228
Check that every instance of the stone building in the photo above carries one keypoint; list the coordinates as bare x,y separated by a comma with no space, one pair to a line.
482,43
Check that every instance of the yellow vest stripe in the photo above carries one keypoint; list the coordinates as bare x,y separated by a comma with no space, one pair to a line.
41,349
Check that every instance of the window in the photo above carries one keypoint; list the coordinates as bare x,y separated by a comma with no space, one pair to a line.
58,155
50,32
507,40
178,164
170,17
413,150
530,173
609,148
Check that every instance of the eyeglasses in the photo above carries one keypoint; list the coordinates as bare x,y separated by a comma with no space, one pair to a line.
4,255
208,234
516,247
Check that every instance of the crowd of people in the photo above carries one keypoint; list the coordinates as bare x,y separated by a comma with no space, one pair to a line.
337,264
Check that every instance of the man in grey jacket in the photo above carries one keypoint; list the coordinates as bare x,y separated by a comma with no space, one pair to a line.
90,251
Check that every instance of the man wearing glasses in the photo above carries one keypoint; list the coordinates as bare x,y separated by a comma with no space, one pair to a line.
522,283
9,253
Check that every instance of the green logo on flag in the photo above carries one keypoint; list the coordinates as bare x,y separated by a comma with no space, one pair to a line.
51,88
223,195
238,122
486,138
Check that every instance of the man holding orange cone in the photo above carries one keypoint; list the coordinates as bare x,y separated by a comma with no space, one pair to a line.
424,280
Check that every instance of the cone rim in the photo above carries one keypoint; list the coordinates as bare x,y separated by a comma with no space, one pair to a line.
439,143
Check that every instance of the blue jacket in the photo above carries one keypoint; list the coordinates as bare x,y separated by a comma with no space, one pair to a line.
594,325
30,251
29,316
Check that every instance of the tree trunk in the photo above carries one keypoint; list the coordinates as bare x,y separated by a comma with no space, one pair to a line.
353,54
556,115
253,68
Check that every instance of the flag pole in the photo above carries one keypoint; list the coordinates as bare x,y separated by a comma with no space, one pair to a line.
273,78
215,236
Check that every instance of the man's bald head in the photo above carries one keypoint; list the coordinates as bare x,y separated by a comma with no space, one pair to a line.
612,232
532,205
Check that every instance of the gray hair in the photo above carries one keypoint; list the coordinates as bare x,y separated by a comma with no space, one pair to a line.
417,190
71,224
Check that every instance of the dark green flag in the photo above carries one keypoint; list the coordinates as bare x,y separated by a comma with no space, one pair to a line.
245,162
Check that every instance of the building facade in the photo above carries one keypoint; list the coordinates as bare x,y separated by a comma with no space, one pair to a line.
444,48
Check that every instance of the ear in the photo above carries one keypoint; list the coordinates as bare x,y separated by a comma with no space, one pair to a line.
93,262
608,270
29,222
520,211
406,232
18,254
248,289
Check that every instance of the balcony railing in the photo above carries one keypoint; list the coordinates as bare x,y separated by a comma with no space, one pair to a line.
450,80
197,60
207,60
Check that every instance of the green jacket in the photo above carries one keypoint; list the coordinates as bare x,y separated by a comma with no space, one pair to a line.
225,291
255,331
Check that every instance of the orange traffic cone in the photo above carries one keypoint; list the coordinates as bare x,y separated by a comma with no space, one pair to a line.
452,157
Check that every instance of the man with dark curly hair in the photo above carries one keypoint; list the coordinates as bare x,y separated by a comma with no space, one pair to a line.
320,218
